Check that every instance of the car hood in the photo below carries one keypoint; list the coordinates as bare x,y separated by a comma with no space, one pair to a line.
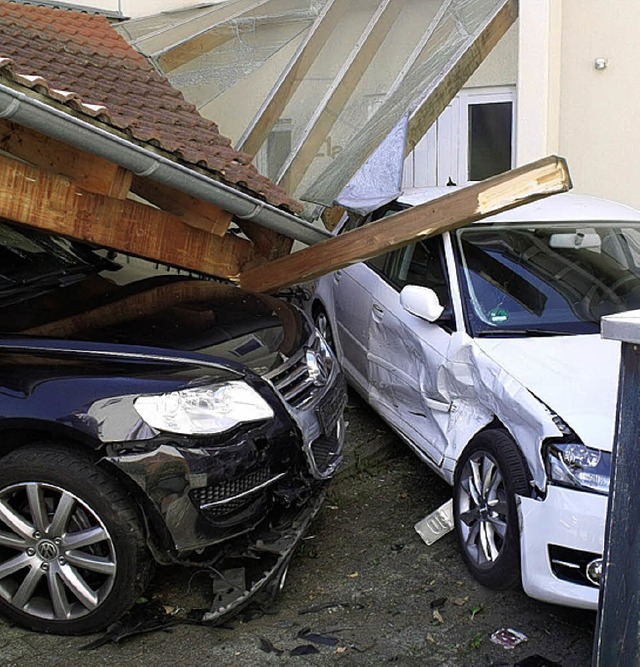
163,312
575,376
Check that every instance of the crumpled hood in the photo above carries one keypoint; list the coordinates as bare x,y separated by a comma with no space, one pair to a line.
576,376
162,311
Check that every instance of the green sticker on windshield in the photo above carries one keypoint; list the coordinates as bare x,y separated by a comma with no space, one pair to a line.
498,315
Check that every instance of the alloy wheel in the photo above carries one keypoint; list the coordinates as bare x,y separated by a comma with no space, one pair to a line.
484,510
57,559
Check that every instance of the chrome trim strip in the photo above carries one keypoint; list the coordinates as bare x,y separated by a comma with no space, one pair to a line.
142,356
244,494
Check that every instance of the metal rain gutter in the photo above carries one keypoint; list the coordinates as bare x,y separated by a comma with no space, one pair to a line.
48,120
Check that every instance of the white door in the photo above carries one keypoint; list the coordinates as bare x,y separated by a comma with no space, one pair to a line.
473,138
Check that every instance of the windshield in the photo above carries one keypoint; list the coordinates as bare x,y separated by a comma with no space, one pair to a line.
28,256
545,279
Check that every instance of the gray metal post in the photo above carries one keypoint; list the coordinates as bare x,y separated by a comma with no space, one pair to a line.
617,639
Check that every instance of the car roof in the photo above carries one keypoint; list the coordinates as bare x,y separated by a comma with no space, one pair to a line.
556,208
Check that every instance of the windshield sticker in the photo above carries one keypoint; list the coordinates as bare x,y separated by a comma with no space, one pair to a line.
498,316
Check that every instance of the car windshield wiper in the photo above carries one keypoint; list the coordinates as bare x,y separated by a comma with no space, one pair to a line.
57,277
522,332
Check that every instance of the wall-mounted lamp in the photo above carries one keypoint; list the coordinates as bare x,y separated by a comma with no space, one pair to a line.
600,63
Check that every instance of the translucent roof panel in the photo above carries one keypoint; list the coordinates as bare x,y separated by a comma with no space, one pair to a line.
313,87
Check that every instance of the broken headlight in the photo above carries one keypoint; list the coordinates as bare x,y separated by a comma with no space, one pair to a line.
203,410
578,466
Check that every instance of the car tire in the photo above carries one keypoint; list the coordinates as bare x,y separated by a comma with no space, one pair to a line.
72,550
323,325
490,472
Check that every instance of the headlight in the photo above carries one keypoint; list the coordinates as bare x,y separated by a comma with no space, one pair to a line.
200,410
579,466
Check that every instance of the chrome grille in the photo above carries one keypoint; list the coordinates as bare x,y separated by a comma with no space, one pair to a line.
295,381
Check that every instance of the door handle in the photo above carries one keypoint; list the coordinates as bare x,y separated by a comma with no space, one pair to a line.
337,275
378,312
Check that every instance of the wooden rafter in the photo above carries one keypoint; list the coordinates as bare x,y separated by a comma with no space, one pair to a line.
340,91
203,41
97,175
458,72
37,198
514,188
290,79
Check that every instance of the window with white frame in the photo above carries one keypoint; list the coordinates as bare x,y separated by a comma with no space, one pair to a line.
473,139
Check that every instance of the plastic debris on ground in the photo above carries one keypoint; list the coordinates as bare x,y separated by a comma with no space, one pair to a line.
508,638
536,661
146,616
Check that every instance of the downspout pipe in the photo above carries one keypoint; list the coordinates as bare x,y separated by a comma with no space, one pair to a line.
22,109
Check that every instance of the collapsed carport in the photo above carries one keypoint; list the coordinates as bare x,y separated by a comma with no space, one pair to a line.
138,170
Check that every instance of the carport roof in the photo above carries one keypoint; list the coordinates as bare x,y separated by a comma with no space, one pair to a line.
78,60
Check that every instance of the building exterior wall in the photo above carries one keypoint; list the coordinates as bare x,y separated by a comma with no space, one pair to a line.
567,106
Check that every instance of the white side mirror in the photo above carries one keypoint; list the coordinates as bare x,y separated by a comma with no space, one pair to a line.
422,302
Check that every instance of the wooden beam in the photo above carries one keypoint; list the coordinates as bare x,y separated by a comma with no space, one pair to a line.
33,197
203,41
268,243
91,173
194,212
499,193
272,108
339,93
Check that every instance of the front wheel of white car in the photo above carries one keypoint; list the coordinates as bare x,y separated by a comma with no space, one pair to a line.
321,321
490,473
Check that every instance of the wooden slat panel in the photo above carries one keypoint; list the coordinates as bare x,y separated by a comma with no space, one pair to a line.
31,196
194,212
290,79
460,208
90,172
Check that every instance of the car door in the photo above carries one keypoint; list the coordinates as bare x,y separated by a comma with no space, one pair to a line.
406,354
352,303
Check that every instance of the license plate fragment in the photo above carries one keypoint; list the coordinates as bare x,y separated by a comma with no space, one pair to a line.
436,524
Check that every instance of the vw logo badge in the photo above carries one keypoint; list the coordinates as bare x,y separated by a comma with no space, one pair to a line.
47,550
317,369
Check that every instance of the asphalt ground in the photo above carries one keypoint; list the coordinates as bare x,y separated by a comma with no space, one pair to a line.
363,589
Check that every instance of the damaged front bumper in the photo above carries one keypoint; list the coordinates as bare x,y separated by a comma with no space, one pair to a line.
254,566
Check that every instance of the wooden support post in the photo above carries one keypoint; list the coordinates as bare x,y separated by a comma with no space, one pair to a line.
33,197
499,193
617,633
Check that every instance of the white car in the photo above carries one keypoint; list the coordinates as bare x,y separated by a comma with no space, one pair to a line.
481,348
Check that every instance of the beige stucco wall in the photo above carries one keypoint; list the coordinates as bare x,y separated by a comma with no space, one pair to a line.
600,109
566,106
